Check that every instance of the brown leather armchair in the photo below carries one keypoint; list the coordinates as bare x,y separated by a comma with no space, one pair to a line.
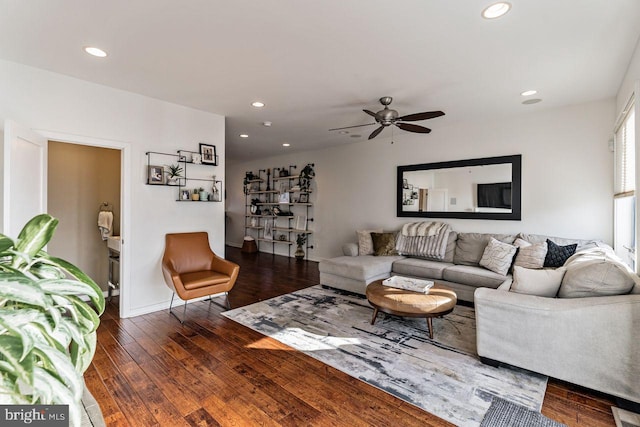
192,270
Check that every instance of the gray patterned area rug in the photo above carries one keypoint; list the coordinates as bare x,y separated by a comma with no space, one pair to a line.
443,376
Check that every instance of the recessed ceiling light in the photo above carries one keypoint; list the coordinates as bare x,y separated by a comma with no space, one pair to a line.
532,101
343,132
95,51
529,92
244,135
258,104
496,10
267,124
286,145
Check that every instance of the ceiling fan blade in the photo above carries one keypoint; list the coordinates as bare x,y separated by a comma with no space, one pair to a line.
356,126
413,128
421,116
371,113
376,132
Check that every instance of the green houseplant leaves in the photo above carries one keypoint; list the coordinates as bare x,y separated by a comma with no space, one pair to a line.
47,330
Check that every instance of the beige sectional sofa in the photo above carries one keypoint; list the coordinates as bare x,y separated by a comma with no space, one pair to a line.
459,269
587,335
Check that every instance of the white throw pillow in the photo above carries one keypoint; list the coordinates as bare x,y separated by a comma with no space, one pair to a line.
498,256
530,255
543,283
365,243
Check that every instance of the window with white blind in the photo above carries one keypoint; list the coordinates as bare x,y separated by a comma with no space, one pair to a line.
625,185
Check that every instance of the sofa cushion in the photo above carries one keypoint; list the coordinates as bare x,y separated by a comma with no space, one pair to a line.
422,268
470,246
557,255
596,273
530,255
582,244
359,267
451,246
365,243
543,283
384,244
473,276
498,256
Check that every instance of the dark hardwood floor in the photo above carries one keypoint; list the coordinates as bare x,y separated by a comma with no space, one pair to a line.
151,370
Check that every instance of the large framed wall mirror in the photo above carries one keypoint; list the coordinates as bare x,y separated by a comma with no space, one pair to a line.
486,188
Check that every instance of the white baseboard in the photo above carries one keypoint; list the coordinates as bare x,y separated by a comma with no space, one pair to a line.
177,302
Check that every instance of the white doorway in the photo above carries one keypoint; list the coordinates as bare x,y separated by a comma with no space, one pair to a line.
14,136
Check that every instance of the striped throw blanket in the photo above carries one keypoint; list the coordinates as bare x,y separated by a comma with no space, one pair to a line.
423,228
427,244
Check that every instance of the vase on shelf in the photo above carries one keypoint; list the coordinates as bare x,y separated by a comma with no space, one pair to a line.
204,196
299,254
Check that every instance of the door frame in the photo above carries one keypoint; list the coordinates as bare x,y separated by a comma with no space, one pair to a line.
125,202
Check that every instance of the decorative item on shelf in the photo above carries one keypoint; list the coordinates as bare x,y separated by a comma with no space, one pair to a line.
208,154
155,175
254,222
185,195
304,198
195,195
276,210
215,192
174,173
204,196
282,237
283,198
301,239
306,175
268,230
255,209
248,177
196,159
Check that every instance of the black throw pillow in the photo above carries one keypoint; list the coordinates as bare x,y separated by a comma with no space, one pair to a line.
557,255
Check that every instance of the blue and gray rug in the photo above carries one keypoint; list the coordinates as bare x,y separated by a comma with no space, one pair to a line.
443,376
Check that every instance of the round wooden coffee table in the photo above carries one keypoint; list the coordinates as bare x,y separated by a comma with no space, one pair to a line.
399,302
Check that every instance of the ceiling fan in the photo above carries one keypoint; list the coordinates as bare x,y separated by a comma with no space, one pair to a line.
387,117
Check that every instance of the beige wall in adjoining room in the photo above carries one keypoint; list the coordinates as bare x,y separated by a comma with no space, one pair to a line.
80,179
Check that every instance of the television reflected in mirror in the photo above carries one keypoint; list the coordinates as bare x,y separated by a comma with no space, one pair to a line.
485,188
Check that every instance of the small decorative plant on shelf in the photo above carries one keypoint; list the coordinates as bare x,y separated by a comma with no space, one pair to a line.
248,177
47,332
301,239
174,172
195,195
306,175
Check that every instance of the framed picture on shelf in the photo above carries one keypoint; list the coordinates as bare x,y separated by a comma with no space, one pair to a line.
185,195
283,198
304,198
300,222
268,230
208,153
155,175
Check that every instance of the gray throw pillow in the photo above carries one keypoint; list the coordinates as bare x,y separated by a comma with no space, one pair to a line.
470,246
530,255
498,256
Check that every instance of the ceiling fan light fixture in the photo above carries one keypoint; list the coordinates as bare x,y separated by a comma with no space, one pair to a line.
257,104
529,92
496,10
94,51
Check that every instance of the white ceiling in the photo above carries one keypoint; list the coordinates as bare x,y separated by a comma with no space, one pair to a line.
316,64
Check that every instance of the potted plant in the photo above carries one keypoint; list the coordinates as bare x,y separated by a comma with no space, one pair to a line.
306,175
301,239
174,172
195,195
48,333
204,196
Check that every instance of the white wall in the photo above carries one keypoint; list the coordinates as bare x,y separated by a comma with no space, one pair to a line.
55,103
567,183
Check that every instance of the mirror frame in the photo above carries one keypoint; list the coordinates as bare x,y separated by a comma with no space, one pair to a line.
516,186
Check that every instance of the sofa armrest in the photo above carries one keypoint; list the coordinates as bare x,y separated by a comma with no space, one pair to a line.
506,285
350,249
587,341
